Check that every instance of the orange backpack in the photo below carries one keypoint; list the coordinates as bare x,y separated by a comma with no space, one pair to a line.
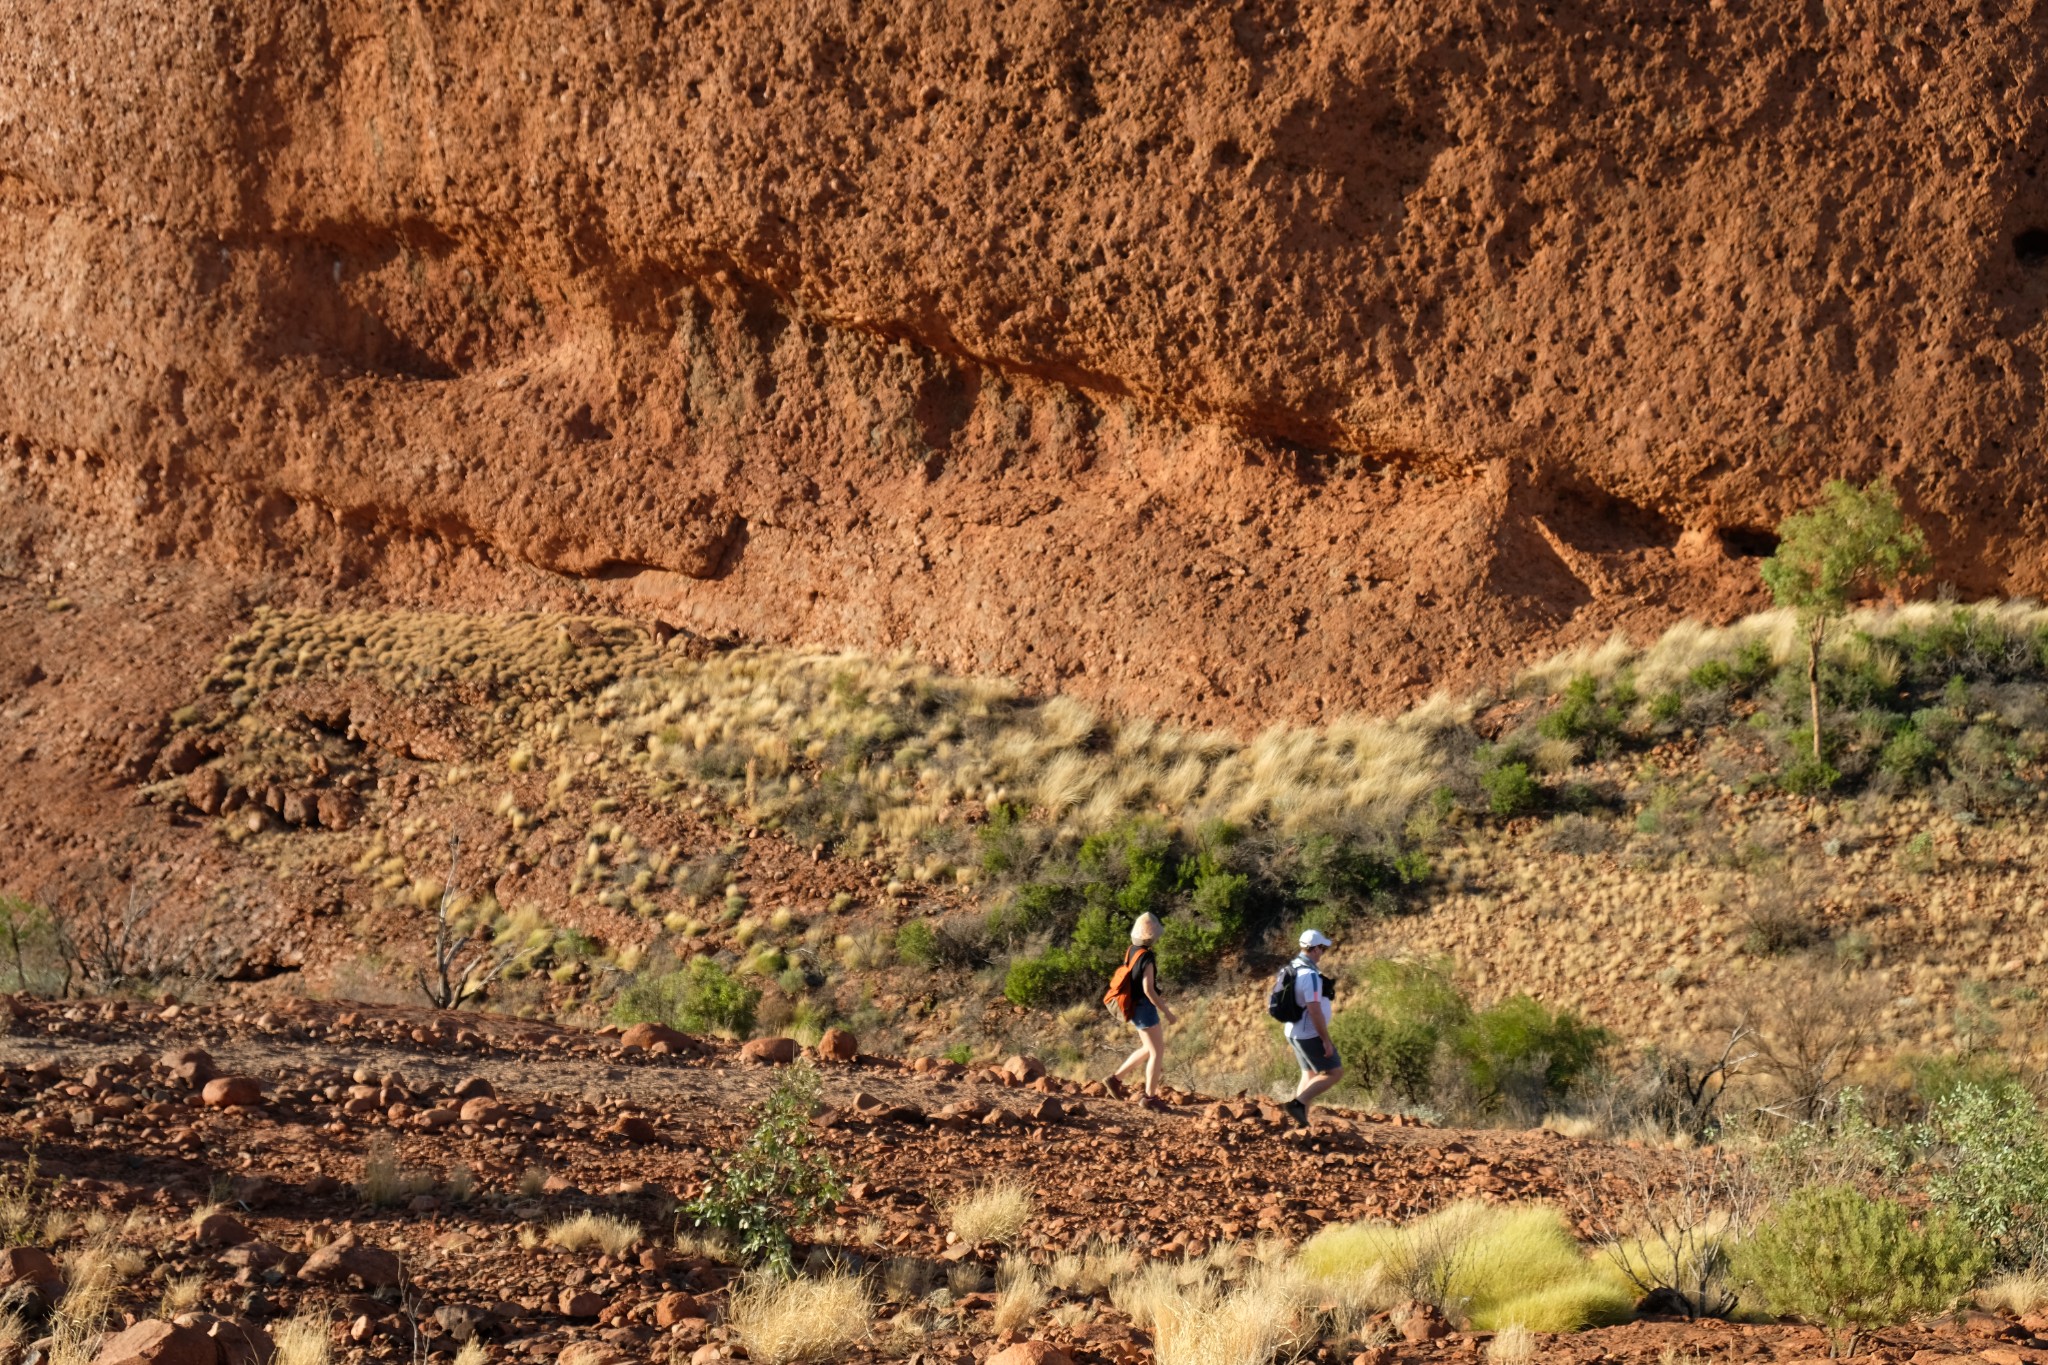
1127,985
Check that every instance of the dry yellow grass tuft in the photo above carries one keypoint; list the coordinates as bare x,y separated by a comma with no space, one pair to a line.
1020,1294
1512,1343
595,1231
385,1180
2016,1295
780,1321
994,1214
304,1340
1269,1317
181,1295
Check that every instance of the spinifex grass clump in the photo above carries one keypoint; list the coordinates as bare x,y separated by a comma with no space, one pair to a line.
1489,1265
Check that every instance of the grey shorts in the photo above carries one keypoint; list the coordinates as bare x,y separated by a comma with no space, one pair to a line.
1314,1057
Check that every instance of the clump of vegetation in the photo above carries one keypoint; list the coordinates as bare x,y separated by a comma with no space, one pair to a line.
1486,1264
774,1181
1858,540
993,1215
1843,1260
782,1320
1406,1030
1988,1147
386,1181
700,996
595,1232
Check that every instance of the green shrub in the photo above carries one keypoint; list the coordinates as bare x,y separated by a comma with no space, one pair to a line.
1938,724
1033,909
701,997
1989,1149
1001,838
1580,711
32,954
1339,878
917,944
772,1183
1711,676
1522,1053
1058,976
1390,1032
1908,754
1510,790
1188,947
1666,707
1835,1257
1806,775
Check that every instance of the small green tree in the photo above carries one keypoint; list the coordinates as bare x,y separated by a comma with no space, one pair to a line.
1857,541
773,1182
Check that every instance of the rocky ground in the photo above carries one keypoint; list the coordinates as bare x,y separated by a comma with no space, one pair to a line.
230,1145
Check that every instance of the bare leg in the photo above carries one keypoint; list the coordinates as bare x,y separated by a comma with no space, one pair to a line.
1314,1083
1155,1043
1136,1057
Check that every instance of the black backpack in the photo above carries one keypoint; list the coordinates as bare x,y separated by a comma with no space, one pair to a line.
1280,1001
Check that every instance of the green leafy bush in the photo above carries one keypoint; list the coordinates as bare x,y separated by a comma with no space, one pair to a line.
1524,1054
1989,1149
1806,775
1340,878
1390,1032
772,1182
917,944
1001,838
1058,976
1840,1259
701,997
1510,790
1908,754
1581,714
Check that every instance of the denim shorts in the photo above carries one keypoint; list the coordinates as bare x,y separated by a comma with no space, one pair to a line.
1145,1016
1314,1057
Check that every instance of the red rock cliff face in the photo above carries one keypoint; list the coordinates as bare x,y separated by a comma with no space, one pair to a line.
1225,360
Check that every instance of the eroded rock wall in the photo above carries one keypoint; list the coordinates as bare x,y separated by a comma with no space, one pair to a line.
1232,361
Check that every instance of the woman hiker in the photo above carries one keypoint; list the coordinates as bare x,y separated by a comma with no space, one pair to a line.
1143,964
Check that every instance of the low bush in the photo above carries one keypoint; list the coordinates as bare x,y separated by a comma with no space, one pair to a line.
1058,976
1524,1055
1581,714
1408,1029
699,997
1842,1260
1510,789
1390,1034
917,944
773,1182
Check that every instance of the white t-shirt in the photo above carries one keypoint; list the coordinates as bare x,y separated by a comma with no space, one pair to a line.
1308,993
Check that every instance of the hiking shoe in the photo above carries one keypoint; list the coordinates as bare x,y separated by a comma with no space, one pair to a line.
1297,1111
1116,1088
1155,1104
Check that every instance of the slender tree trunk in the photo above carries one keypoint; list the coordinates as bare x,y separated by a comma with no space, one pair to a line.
1813,643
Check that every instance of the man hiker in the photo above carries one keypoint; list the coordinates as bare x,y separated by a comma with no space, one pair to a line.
1309,1031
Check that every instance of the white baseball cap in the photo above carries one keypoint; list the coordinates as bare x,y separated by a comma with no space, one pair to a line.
1313,938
